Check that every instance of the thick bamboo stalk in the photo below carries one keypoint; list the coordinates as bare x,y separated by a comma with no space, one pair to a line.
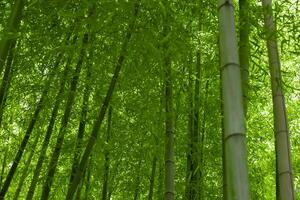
244,49
234,126
169,115
169,137
284,174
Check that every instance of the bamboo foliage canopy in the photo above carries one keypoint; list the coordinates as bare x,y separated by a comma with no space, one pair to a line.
154,100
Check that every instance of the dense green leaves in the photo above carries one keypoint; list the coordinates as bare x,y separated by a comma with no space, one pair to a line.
138,100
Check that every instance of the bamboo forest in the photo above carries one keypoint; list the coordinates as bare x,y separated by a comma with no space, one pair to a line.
149,99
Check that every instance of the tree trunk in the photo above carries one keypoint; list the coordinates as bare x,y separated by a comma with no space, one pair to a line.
244,50
83,118
3,166
113,181
234,126
152,178
169,139
78,192
25,170
223,136
195,178
106,157
284,175
25,139
190,130
58,99
97,124
169,121
60,138
88,182
160,185
202,139
6,80
9,41
192,190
